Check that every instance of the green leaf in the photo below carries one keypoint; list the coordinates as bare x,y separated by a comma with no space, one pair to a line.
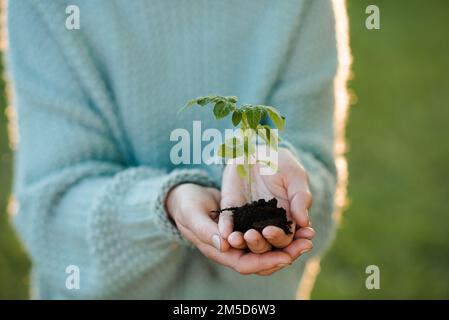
253,115
232,99
236,117
189,104
222,109
276,117
233,142
248,147
268,135
264,112
232,148
229,153
203,101
222,151
241,170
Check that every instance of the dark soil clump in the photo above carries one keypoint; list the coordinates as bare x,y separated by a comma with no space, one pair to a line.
259,214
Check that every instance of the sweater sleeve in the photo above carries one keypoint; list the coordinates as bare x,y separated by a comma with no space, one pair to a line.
81,201
305,95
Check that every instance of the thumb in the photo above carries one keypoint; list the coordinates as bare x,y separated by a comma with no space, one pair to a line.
232,195
300,199
206,230
226,221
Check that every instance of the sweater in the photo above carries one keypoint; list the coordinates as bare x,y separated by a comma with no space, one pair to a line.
96,106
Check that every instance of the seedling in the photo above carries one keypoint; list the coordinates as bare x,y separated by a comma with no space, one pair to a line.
249,120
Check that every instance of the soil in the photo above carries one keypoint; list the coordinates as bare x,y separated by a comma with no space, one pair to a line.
259,214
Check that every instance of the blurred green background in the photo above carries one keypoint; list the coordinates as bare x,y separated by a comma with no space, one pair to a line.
398,217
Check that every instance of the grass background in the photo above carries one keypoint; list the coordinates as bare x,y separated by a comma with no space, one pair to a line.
398,218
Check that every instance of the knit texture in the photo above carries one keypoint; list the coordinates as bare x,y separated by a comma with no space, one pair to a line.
96,107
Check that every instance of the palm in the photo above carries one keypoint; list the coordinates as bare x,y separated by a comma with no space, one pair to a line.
288,185
263,187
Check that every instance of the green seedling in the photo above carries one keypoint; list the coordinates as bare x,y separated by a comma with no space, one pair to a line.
249,119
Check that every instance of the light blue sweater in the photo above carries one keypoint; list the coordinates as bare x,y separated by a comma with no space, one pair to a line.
96,107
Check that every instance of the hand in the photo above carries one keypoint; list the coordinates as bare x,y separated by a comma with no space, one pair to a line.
289,186
191,207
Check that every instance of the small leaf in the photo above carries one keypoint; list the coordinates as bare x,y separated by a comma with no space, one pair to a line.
242,171
232,99
236,117
222,109
268,135
231,149
232,142
222,152
228,101
248,147
276,117
216,99
264,112
189,104
203,101
254,116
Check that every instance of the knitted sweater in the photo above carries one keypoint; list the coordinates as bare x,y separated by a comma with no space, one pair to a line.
96,107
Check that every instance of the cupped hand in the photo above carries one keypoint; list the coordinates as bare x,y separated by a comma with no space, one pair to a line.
289,186
192,207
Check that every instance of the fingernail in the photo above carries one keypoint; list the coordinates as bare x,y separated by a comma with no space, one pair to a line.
283,265
311,229
308,217
216,242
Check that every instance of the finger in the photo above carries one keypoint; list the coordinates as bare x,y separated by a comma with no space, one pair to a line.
250,263
246,263
306,233
216,195
204,228
228,200
243,263
232,195
300,201
210,251
225,223
269,272
277,237
297,185
298,247
255,242
236,240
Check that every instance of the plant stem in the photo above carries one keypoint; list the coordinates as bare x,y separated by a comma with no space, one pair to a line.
250,194
246,155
